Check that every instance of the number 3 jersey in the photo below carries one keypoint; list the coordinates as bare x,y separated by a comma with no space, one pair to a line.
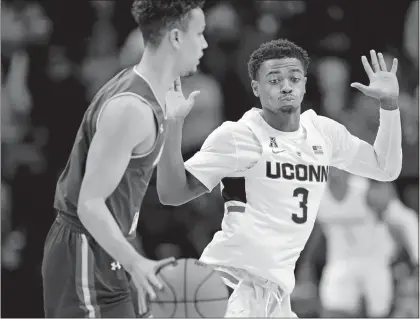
272,185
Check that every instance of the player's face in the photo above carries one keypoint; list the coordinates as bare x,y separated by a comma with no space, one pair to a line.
281,85
192,43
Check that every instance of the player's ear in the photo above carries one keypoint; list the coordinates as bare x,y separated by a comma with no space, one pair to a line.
175,38
255,88
305,79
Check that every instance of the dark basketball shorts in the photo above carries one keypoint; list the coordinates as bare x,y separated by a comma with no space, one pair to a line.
80,279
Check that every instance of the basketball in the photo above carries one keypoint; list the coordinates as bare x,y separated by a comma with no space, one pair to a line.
191,290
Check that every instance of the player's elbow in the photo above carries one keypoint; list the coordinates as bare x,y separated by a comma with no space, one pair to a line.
392,173
181,193
387,176
86,208
170,199
395,170
164,198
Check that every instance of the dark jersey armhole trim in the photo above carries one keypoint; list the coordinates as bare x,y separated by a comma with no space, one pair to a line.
234,189
143,100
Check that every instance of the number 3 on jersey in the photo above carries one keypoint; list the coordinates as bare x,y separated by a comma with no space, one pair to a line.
301,218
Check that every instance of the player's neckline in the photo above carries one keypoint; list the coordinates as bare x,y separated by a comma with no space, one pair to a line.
292,135
162,105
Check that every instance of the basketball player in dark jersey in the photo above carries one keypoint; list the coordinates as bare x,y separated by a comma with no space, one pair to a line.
88,262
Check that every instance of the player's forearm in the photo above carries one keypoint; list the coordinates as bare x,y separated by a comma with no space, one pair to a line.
172,183
97,219
388,140
383,160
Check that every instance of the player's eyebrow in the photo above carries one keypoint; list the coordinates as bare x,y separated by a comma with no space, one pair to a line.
289,71
272,72
296,70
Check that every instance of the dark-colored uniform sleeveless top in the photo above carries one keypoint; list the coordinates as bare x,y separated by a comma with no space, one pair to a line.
124,203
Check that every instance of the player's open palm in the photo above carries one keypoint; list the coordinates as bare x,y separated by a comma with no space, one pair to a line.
176,104
383,84
144,276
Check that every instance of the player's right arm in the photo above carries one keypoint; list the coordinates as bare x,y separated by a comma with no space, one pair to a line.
218,157
124,124
180,182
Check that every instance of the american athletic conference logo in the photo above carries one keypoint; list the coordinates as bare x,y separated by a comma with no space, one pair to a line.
274,147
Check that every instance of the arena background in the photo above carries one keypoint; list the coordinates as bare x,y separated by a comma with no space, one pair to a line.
56,54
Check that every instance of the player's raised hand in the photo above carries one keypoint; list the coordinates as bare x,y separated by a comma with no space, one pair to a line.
176,104
383,84
143,274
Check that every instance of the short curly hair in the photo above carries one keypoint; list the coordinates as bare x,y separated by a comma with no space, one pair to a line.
276,49
154,17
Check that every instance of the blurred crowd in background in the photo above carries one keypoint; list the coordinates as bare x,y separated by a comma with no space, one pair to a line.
56,54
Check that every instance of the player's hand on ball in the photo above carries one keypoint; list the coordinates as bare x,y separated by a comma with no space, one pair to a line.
383,84
176,104
143,273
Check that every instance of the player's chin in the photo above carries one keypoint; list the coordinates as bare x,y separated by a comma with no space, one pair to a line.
190,72
289,108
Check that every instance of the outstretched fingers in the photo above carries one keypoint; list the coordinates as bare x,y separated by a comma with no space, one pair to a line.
394,66
378,64
382,63
374,59
367,67
360,87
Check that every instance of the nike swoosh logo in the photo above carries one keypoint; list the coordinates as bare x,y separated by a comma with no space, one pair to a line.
276,152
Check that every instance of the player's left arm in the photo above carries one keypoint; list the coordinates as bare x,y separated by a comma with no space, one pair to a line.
381,161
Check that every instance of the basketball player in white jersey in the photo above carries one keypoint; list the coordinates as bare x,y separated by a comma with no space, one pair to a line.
273,165
354,218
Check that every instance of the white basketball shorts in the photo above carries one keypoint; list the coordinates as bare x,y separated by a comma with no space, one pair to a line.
254,296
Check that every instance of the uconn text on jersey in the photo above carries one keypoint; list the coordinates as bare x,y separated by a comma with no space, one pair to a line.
300,172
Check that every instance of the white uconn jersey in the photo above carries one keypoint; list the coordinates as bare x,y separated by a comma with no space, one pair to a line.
270,208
